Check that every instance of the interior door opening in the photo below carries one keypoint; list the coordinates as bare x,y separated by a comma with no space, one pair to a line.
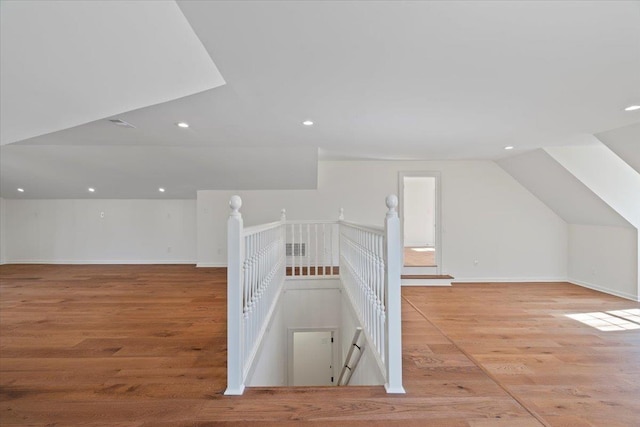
311,358
420,220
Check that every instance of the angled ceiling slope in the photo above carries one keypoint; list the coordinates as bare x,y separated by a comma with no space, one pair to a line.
556,187
64,64
625,142
604,173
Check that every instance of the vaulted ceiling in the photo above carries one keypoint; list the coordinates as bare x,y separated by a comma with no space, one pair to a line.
380,80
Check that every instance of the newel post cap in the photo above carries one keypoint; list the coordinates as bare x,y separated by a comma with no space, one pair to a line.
341,214
283,215
392,205
235,203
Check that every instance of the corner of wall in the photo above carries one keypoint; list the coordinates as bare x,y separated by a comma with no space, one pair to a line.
605,259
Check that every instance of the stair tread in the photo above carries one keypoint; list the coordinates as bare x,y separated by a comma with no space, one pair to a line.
426,276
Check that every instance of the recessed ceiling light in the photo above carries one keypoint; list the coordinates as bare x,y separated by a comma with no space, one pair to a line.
509,147
161,190
182,125
21,190
92,190
307,123
632,108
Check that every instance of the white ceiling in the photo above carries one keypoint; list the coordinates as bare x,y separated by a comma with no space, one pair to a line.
66,63
381,80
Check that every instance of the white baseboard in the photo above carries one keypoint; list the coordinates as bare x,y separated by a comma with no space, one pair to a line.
99,261
211,264
426,282
604,290
545,280
508,279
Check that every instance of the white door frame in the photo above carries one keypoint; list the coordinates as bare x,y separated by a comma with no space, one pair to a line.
438,219
335,350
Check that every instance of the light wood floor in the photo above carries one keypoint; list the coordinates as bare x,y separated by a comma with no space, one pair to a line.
418,258
146,346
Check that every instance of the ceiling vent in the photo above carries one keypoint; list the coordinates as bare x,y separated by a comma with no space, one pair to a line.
122,123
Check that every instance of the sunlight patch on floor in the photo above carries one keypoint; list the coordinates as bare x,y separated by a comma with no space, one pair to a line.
617,320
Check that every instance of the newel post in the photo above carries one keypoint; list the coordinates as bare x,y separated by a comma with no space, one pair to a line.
235,256
393,297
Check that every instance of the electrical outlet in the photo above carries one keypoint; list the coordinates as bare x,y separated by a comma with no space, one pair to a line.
476,262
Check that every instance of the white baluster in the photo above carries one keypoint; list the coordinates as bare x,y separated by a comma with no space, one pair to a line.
316,244
293,250
306,252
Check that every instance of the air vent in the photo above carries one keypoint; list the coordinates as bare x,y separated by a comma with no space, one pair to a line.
122,123
296,249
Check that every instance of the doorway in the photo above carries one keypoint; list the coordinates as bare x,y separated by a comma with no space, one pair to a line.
311,358
420,217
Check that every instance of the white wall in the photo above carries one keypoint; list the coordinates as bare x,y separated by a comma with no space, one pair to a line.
604,258
311,304
270,367
582,185
367,372
486,216
3,237
304,304
73,231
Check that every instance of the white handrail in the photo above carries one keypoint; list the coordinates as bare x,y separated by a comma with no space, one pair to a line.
362,269
369,228
255,276
261,227
367,259
370,271
348,363
312,221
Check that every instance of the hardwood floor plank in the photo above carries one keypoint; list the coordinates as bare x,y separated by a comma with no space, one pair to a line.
568,372
146,346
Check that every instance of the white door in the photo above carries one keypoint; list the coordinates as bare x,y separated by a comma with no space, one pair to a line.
312,358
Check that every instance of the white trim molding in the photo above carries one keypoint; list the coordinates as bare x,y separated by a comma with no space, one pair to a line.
605,290
99,261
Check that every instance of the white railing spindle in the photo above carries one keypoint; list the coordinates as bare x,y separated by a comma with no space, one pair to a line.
369,268
370,272
255,275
